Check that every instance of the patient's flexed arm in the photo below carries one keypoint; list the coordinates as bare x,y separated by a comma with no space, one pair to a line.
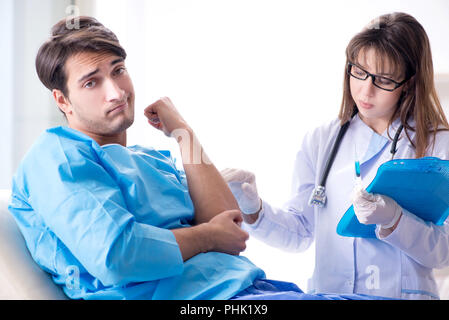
209,192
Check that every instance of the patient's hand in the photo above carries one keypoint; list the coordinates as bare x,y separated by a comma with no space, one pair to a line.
221,234
163,115
225,233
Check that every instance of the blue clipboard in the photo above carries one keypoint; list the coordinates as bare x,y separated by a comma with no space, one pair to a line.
421,186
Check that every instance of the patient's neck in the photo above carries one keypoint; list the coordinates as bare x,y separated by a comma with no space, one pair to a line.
119,138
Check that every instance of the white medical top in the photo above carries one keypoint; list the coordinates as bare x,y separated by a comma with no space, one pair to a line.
399,265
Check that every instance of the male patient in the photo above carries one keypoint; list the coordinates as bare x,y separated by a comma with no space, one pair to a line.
109,221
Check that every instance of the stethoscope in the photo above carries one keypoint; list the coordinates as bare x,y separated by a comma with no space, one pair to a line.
318,196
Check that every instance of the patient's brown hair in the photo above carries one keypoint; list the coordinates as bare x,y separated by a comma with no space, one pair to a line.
67,40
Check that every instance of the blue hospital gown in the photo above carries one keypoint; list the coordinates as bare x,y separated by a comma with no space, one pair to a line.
98,218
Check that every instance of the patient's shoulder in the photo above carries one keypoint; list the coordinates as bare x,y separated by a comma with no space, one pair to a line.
59,145
68,137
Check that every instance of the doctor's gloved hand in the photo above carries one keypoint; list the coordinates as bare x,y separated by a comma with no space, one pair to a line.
243,186
375,208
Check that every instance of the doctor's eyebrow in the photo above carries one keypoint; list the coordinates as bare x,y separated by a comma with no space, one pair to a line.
382,74
377,74
90,74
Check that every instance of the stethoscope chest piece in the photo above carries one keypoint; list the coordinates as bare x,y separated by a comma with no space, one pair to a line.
318,197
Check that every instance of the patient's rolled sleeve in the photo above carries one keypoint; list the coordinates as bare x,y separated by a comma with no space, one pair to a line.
144,252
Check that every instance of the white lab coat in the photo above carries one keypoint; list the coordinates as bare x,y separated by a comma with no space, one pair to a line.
398,265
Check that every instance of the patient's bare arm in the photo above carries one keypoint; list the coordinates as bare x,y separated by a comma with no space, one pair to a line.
209,192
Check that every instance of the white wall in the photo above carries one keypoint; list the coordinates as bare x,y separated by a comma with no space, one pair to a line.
442,87
6,54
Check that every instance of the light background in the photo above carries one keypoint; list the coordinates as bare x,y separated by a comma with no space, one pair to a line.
251,77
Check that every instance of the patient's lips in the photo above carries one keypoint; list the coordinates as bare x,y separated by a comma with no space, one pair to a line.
121,105
118,108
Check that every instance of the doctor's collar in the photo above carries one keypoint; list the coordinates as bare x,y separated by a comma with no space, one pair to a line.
391,129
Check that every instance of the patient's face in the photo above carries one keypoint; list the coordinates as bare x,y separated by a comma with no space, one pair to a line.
100,94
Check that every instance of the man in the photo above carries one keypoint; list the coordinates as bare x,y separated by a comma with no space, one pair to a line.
123,220
109,221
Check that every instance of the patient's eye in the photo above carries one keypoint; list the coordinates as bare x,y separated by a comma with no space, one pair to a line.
89,84
119,70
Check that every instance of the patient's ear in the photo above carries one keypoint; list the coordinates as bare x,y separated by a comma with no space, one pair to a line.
62,101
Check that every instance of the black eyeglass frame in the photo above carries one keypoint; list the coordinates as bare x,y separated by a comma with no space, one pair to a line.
373,76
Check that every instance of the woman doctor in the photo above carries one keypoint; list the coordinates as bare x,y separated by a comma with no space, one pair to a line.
388,83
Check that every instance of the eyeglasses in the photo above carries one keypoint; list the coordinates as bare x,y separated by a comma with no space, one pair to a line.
379,81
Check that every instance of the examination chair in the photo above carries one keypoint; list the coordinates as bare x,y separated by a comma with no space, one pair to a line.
20,277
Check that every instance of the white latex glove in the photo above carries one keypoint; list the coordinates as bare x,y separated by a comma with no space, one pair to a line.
375,208
243,186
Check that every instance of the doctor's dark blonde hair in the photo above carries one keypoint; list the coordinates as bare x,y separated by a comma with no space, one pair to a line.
66,41
401,40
